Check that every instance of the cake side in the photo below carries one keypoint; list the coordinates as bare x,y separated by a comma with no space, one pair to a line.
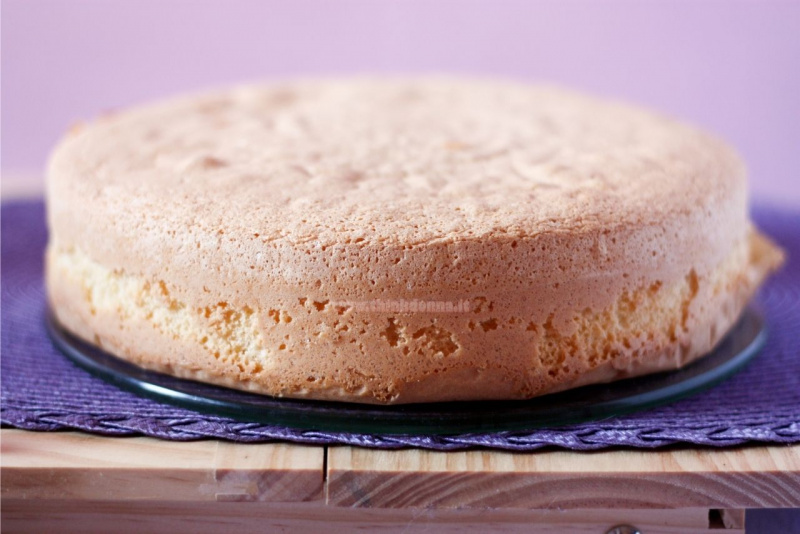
316,349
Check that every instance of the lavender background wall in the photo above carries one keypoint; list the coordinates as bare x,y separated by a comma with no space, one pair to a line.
730,66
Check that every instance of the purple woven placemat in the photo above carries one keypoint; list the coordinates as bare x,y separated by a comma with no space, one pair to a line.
42,390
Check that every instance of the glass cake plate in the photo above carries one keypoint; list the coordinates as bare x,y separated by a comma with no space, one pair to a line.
583,404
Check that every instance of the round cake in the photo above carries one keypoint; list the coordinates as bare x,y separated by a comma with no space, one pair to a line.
399,240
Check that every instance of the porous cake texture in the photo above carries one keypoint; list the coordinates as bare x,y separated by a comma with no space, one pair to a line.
400,240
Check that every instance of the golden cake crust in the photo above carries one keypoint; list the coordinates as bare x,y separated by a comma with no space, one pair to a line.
273,237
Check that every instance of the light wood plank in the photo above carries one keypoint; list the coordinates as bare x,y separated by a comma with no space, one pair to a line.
727,478
73,465
183,517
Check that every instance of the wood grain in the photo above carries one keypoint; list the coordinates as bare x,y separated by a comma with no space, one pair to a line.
760,477
87,517
77,466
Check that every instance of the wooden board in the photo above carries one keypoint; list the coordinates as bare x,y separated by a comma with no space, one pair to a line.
761,477
76,466
136,517
211,486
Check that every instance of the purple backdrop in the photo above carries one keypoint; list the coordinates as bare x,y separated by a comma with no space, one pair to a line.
733,67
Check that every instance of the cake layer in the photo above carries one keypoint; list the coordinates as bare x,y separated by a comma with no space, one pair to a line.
350,351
